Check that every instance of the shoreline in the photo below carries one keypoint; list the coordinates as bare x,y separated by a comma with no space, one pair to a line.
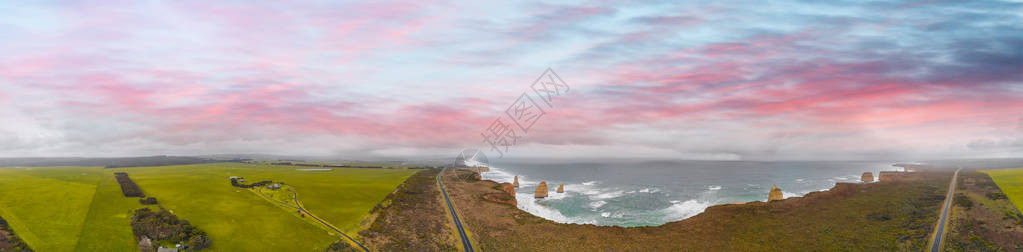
677,210
872,216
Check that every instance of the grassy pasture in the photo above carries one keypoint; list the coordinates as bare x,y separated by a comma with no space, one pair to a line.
1011,183
59,209
47,206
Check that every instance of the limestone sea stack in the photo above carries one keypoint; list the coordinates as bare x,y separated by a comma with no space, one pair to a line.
541,190
867,177
775,194
516,183
561,188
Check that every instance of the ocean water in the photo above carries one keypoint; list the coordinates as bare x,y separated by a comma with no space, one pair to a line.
631,193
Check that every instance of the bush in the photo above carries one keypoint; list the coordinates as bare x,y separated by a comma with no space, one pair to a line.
163,227
878,217
128,187
996,196
148,201
342,246
963,201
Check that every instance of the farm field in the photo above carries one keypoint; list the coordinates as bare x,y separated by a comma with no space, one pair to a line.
46,207
69,205
1011,183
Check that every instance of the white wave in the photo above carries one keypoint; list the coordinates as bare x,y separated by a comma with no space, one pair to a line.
683,210
597,204
527,203
589,183
787,195
714,187
608,195
650,190
800,180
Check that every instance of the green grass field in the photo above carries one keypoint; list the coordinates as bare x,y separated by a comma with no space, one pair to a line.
1011,183
59,209
47,206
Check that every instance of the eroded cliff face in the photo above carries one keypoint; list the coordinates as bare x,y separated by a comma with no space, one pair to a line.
775,194
510,189
507,196
541,190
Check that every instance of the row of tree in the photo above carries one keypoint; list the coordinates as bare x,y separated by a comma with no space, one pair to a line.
128,187
235,183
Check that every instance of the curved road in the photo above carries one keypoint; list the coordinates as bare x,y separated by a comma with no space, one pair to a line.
938,237
466,244
307,213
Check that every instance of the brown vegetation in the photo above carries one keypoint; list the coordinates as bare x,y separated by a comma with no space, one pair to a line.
982,218
10,241
857,217
412,218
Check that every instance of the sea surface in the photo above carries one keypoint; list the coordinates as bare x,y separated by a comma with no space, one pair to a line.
631,193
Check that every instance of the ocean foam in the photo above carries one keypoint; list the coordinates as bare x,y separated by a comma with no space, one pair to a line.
527,203
714,187
683,210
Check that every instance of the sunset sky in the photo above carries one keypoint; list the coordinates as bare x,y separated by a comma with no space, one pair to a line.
723,80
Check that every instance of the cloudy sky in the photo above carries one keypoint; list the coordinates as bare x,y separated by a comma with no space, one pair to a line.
721,80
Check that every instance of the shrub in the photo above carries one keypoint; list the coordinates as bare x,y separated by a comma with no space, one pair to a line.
148,201
342,246
996,196
163,227
128,187
963,201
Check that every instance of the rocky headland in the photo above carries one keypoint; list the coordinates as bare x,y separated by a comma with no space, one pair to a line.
850,216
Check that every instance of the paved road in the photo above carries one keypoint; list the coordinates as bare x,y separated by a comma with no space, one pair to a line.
302,209
939,232
466,244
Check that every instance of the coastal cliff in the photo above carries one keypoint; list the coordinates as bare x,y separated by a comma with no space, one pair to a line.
888,216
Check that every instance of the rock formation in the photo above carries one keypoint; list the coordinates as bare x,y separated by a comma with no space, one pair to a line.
867,177
541,190
508,188
561,188
507,196
516,181
775,194
476,176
